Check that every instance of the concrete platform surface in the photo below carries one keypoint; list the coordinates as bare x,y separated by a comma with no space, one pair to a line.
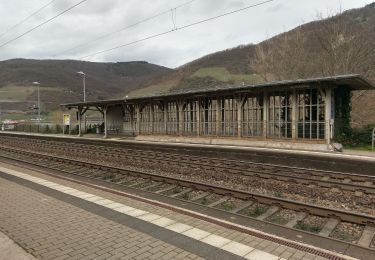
359,153
53,218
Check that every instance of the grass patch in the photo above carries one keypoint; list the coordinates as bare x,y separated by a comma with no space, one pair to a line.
20,93
155,88
109,177
367,148
306,227
254,210
227,205
222,74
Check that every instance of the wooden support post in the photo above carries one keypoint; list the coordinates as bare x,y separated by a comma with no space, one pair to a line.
198,114
151,118
180,108
130,110
105,121
218,116
137,123
294,114
165,108
265,114
240,104
79,121
329,122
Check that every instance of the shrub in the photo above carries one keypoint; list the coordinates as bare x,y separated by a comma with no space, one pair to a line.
357,136
47,129
58,129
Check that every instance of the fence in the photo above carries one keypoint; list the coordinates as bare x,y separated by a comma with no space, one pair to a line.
43,128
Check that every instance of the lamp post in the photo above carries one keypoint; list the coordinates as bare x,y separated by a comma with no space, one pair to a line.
36,83
83,75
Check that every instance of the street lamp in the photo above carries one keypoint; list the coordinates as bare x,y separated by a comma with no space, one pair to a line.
36,83
81,73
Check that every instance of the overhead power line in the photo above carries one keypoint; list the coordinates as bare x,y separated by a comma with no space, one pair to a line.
178,28
27,18
43,23
125,28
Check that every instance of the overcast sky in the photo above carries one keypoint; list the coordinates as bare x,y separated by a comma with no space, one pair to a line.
94,18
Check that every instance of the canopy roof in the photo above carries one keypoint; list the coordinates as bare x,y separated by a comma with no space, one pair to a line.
353,81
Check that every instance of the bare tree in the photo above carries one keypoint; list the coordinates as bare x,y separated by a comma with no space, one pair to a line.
345,48
334,45
283,57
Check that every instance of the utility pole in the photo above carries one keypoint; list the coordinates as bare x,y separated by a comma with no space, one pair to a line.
81,73
84,84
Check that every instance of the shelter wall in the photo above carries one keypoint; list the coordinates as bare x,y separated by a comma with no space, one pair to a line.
299,113
115,118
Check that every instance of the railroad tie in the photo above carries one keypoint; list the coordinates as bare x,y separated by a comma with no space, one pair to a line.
166,189
329,227
299,216
205,194
268,213
138,183
223,199
243,206
153,185
367,236
181,193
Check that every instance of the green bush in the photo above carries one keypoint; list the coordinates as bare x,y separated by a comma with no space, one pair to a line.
58,129
91,129
74,130
47,129
356,137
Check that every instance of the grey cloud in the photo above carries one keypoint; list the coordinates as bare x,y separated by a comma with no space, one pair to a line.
275,8
96,17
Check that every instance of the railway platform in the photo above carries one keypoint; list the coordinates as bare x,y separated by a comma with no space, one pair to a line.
58,218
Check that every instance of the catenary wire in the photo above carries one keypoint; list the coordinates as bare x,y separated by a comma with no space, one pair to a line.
43,23
27,18
177,28
123,29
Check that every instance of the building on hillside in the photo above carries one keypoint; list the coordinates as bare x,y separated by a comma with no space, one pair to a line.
289,114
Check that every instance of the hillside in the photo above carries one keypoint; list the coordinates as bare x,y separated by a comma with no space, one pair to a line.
340,44
61,84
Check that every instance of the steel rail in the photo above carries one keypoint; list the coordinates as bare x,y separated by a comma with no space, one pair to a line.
368,186
356,177
245,195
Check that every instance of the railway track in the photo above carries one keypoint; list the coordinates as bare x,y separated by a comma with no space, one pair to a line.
302,217
359,184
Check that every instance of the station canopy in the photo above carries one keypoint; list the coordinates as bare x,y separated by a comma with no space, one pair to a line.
352,81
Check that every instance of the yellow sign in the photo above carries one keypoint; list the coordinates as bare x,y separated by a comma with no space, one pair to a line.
66,119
